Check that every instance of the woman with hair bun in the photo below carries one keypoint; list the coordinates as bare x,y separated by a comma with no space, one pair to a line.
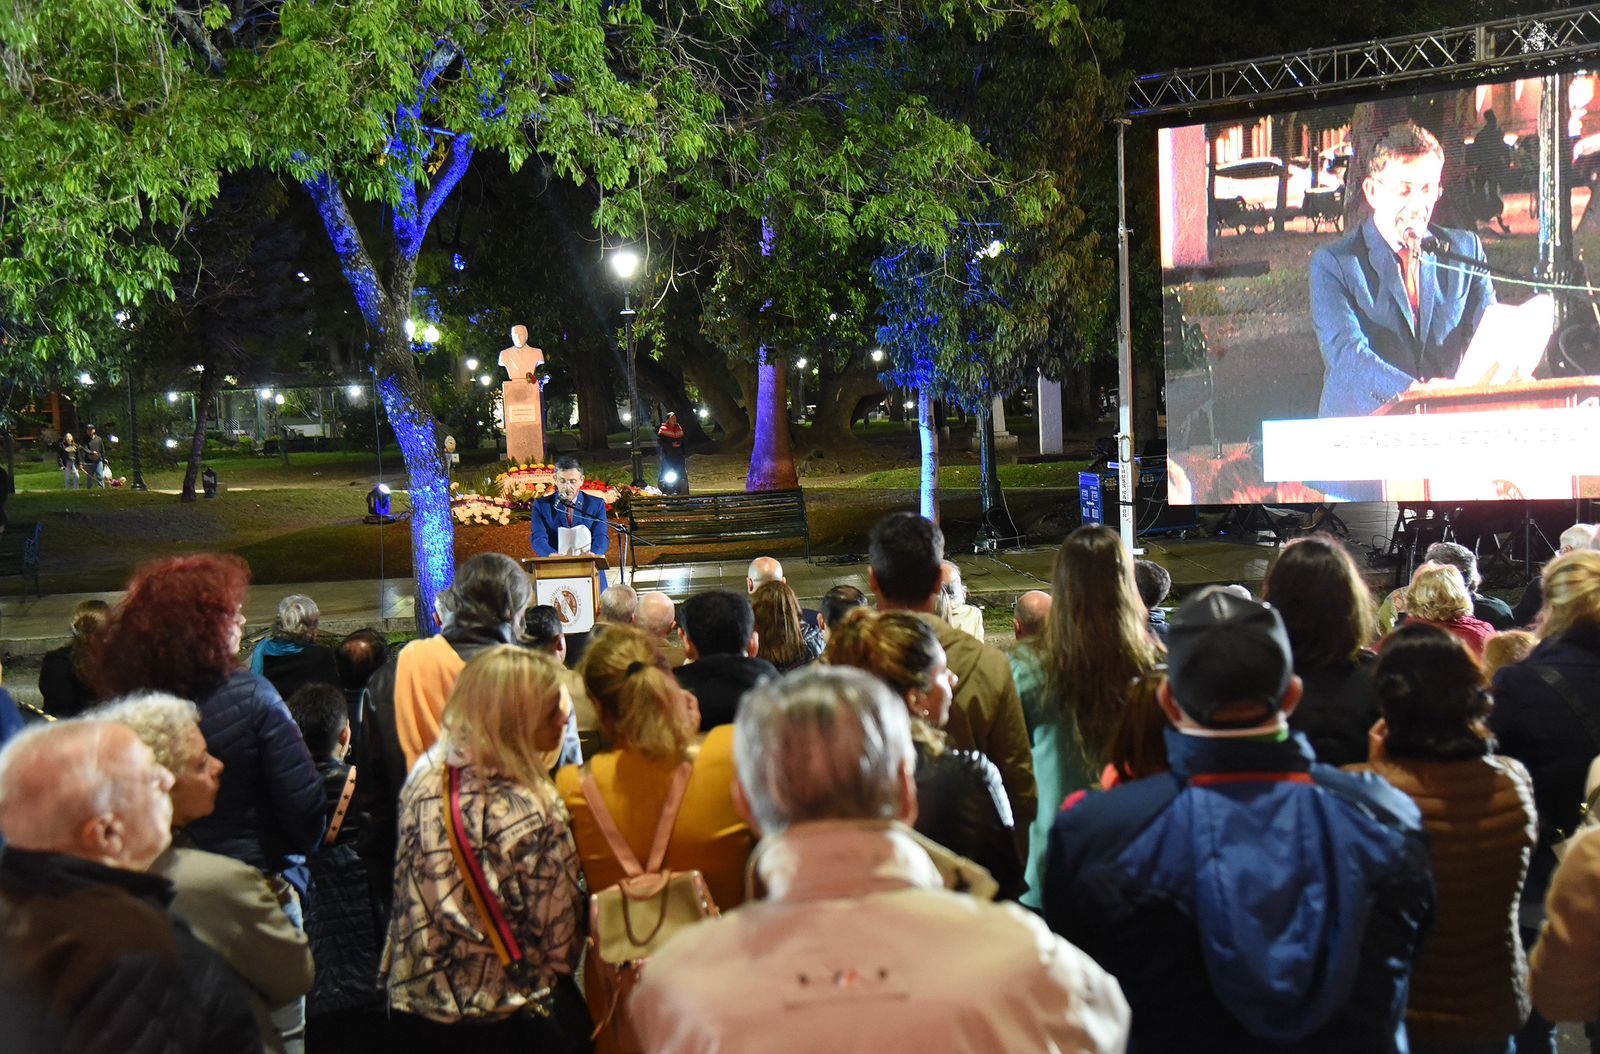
66,674
651,724
961,801
1547,713
1469,985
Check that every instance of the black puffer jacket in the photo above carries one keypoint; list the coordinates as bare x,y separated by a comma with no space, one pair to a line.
313,664
269,810
1534,725
95,964
1337,709
382,761
962,805
342,920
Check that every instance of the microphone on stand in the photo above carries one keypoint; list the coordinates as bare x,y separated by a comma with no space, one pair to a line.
1436,247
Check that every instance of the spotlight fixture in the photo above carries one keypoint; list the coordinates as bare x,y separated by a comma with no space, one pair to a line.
378,504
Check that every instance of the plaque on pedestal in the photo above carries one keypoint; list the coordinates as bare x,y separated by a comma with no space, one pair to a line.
523,400
524,424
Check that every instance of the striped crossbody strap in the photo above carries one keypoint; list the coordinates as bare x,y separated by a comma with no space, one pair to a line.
345,797
483,898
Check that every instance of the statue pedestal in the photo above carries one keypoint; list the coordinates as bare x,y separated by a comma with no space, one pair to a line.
524,421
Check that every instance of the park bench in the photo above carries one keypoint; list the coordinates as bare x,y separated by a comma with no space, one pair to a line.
19,554
720,519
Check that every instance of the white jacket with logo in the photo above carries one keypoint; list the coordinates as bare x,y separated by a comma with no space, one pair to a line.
858,947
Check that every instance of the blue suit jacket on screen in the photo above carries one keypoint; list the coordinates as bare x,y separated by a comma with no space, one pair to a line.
591,513
1372,348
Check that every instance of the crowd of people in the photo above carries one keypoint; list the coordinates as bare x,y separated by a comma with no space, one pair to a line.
1304,822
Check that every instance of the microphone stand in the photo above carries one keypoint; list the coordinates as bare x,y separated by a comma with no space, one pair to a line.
630,537
1435,247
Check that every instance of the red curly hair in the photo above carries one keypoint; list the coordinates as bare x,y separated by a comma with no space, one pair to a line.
170,633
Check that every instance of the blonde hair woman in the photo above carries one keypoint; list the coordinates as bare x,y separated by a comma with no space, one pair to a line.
961,801
229,905
1438,596
651,724
443,961
1547,709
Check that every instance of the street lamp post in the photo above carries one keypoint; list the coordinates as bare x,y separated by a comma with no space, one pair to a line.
625,262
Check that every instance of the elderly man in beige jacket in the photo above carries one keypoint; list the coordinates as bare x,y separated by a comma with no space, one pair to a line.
859,941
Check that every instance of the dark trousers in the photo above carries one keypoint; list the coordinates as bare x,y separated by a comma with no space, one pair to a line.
565,1031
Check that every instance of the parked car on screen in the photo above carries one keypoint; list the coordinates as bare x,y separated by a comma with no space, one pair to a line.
1254,182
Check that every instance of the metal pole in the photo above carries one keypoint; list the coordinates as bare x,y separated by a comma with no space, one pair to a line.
635,456
1126,476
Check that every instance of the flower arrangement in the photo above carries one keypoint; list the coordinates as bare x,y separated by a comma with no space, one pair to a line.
480,511
522,485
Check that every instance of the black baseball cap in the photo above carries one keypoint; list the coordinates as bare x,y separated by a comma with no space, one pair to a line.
1223,648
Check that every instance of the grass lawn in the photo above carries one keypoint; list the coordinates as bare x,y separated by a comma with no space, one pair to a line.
302,522
309,469
966,477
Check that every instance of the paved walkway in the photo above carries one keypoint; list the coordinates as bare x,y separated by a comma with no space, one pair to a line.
31,626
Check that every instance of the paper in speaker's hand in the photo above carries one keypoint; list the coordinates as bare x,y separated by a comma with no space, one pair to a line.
1509,342
572,541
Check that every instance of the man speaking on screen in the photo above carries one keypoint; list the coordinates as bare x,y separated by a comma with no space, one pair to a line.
1389,316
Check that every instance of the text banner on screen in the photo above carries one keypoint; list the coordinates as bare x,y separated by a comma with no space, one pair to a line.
1498,444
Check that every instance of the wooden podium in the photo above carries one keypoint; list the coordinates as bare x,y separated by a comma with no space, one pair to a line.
1547,393
570,584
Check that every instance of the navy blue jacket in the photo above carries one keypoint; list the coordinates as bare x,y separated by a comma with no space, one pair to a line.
591,513
269,810
1279,910
1533,725
1372,348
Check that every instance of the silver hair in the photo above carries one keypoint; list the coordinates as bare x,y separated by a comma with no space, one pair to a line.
619,604
1459,557
1578,536
826,743
490,590
51,781
162,720
297,618
950,583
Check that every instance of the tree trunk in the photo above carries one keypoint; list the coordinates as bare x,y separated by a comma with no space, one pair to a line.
1079,408
772,456
929,491
711,380
406,404
210,378
838,403
668,389
594,411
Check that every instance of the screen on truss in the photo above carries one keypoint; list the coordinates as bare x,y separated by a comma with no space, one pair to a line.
1385,300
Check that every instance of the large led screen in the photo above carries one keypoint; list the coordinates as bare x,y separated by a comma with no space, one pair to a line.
1385,300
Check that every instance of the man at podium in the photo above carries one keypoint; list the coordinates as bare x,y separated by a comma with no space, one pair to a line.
569,521
1389,314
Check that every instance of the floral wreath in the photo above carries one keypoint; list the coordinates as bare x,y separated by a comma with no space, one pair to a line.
519,486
